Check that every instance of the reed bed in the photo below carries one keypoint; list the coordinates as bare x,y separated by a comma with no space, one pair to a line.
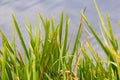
49,58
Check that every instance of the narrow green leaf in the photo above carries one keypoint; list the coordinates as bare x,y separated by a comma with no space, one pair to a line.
9,72
4,75
53,25
66,36
112,39
49,78
61,27
101,19
94,54
20,37
95,35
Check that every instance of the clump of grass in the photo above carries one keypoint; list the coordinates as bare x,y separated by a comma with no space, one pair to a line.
50,59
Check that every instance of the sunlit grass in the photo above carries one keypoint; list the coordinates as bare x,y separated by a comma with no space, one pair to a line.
49,58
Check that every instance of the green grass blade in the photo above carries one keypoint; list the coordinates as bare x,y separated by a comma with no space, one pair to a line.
4,75
87,58
107,52
1,52
61,27
49,78
20,37
8,46
9,72
76,41
53,25
112,39
109,27
114,54
20,56
94,54
42,19
95,35
101,19
66,36
4,39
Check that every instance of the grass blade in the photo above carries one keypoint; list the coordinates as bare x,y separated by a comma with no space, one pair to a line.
61,27
20,37
66,36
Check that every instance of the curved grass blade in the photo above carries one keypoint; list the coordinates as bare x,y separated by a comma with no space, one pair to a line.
107,52
20,37
95,35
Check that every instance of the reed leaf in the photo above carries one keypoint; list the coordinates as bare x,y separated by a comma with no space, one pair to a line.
61,27
20,37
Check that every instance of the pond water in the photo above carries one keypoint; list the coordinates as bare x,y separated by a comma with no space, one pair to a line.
29,9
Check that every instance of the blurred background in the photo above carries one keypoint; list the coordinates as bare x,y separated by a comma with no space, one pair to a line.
26,9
